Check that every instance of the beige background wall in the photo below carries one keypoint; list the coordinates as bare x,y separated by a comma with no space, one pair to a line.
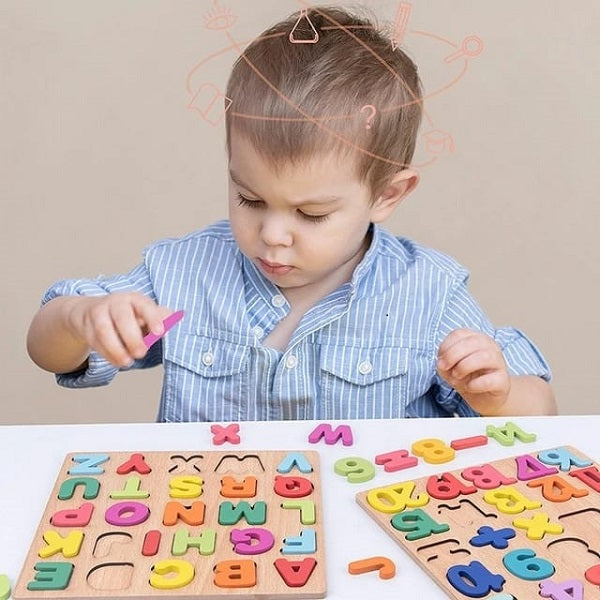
100,156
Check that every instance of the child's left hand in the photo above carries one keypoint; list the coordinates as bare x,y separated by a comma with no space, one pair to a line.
473,364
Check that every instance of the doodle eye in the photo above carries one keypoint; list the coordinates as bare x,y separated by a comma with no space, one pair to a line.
219,17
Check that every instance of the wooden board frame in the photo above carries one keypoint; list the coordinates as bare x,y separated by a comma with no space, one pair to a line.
110,560
442,534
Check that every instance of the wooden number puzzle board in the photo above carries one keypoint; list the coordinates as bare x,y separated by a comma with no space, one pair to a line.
206,525
524,527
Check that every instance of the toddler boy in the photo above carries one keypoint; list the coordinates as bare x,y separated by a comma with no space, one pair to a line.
301,306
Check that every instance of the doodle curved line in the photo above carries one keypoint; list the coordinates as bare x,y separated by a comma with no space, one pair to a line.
316,119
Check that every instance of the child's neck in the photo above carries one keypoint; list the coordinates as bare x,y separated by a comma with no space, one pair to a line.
306,296
303,298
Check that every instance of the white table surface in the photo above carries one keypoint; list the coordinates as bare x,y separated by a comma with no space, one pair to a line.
32,456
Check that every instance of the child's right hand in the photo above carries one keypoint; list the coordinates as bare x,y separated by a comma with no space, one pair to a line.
114,325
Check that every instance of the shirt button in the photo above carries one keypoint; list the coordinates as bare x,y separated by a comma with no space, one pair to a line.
365,367
291,361
208,359
258,332
278,300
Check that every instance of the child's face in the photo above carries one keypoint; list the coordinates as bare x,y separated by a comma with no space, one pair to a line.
304,228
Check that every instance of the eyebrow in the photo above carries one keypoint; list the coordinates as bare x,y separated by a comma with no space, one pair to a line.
317,200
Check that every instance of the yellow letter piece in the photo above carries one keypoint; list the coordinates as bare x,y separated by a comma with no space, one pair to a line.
395,498
162,578
433,450
538,526
510,501
185,486
69,546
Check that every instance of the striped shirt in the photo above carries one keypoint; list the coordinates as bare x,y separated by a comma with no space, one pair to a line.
367,350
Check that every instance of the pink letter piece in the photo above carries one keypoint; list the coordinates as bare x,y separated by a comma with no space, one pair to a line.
395,461
469,442
73,517
225,434
243,539
331,436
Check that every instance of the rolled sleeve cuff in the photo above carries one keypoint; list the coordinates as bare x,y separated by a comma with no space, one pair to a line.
441,401
456,405
50,294
521,354
99,372
453,403
73,287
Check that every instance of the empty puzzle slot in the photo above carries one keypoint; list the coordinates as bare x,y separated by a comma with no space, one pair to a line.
576,551
465,513
431,551
111,543
591,517
232,463
574,540
110,576
183,464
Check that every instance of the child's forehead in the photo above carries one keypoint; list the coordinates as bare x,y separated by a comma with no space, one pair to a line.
316,178
245,155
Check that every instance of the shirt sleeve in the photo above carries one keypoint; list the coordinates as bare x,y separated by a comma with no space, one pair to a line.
99,371
521,354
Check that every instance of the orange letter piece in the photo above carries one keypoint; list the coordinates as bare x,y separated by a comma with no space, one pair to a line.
235,574
231,488
191,515
385,566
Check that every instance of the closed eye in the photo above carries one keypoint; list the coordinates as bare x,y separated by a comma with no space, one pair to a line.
314,218
243,201
248,202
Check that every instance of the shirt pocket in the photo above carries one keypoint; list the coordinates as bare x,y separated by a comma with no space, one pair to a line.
206,379
362,383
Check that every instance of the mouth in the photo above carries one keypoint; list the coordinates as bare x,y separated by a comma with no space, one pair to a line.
274,268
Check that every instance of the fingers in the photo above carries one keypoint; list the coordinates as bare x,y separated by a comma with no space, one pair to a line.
481,350
475,359
149,315
471,361
481,383
114,325
103,337
125,321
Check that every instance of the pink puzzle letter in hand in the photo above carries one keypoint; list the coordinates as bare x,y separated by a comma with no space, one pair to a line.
168,323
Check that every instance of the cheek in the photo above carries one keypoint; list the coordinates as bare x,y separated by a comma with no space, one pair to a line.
319,245
240,225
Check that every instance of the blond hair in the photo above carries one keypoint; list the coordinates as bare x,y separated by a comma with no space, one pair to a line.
294,101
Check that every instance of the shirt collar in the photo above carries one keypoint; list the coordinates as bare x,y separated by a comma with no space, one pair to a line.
365,265
263,311
260,291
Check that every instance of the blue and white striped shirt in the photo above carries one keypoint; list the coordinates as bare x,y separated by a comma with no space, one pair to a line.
367,350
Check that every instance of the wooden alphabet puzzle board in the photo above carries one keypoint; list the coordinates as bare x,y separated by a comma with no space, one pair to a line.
524,527
206,525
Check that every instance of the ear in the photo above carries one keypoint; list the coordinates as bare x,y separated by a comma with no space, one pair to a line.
398,188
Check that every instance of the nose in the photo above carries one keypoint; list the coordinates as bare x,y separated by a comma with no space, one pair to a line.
276,230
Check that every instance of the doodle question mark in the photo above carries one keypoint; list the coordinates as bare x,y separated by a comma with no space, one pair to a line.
373,112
